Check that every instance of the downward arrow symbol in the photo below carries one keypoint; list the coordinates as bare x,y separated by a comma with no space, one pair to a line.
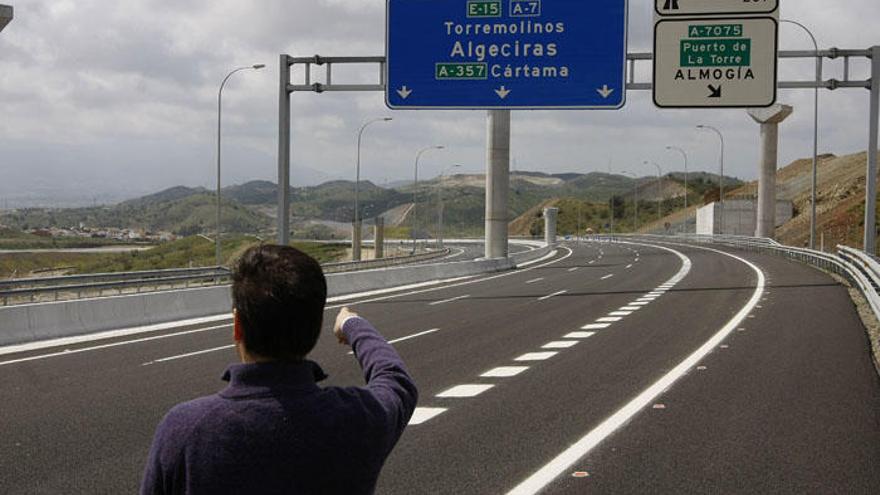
404,92
605,91
502,92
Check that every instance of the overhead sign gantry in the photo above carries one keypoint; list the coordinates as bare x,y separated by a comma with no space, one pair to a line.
715,53
506,54
6,14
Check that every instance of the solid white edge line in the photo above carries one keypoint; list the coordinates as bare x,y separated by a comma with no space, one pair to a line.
189,354
453,299
553,295
112,334
546,474
408,337
68,352
546,257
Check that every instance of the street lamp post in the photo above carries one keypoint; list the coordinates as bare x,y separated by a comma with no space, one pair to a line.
815,133
356,227
415,192
612,199
219,137
442,208
659,189
721,178
686,190
636,200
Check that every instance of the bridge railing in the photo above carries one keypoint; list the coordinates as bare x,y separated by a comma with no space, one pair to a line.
49,289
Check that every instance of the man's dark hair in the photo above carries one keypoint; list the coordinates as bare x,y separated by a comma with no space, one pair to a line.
279,294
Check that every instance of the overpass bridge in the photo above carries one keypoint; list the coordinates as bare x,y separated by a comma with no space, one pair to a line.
632,366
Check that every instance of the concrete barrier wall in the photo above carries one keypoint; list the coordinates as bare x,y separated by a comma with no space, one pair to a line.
33,322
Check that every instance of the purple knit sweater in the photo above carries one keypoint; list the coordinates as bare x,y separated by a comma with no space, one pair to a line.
273,430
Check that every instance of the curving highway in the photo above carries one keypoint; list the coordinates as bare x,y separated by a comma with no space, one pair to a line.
608,368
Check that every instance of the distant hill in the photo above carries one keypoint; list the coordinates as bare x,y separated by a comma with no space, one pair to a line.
186,215
249,207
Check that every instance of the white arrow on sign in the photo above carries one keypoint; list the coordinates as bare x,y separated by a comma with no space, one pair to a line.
404,92
502,92
605,91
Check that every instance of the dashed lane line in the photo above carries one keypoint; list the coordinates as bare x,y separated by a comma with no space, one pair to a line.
579,335
536,356
596,326
423,414
560,344
534,280
464,391
504,372
606,277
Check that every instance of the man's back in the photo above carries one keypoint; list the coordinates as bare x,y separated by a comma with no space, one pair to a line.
274,430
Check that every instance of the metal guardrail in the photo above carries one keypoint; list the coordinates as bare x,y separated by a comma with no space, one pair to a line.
49,289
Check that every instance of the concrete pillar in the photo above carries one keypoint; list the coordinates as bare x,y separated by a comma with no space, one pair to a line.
550,217
379,236
497,182
769,118
356,238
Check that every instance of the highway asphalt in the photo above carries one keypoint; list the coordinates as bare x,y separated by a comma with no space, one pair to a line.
699,371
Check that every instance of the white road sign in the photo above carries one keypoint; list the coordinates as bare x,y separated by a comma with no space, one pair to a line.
715,63
690,8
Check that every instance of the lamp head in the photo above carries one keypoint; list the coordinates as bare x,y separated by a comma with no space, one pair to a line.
388,119
259,66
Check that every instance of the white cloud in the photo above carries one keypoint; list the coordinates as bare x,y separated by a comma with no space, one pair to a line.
128,83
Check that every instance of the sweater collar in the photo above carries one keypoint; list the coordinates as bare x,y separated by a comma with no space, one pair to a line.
262,378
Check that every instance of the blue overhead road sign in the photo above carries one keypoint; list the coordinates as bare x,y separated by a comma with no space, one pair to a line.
506,54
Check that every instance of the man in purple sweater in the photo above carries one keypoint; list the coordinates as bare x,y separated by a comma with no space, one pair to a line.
273,430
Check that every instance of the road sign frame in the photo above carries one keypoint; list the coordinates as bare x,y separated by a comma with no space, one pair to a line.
656,66
389,87
757,13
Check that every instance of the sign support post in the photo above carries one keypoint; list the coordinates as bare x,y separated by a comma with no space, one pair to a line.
497,182
871,183
284,153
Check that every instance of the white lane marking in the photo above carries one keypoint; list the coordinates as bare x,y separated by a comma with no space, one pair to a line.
640,303
579,335
45,344
628,267
504,371
546,474
380,292
606,277
574,269
536,356
609,319
596,326
620,313
68,352
413,336
552,295
630,308
655,294
462,391
423,414
547,257
560,344
592,262
453,299
534,280
189,354
408,337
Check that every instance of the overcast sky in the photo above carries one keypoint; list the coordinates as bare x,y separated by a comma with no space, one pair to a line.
102,99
